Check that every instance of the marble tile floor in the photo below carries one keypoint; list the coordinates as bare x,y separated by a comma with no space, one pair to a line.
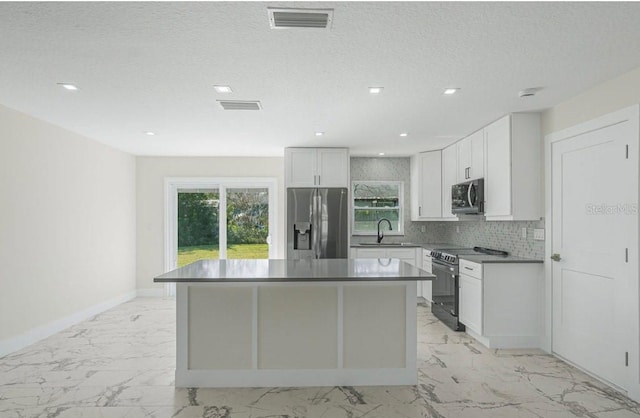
121,364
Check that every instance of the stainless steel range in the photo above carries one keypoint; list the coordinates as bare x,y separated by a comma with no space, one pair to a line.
446,287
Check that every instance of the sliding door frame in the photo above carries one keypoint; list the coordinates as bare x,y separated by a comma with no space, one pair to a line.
173,184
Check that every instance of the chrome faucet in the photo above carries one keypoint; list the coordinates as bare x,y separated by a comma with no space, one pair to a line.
381,235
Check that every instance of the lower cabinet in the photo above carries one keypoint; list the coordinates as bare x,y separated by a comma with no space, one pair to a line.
501,303
410,255
471,303
427,292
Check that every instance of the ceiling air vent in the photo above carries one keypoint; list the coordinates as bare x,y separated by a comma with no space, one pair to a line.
300,18
240,105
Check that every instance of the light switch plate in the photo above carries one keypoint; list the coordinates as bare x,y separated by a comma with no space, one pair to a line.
524,232
538,234
423,228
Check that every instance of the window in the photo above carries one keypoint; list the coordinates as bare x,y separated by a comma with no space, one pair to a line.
375,200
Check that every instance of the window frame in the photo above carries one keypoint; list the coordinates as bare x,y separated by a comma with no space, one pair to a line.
401,207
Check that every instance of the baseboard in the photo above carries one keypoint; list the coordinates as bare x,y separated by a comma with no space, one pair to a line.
151,292
508,342
39,333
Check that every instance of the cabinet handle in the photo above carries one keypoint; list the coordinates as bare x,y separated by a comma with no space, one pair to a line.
419,210
468,268
318,179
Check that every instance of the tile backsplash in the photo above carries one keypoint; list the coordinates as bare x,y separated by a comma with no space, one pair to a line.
501,235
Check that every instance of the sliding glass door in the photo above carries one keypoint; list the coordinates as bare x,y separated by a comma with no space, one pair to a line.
198,225
218,218
248,223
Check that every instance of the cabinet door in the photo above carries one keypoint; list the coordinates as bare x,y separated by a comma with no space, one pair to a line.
497,183
476,142
405,254
426,285
464,159
333,167
471,303
449,178
300,167
426,263
430,189
371,253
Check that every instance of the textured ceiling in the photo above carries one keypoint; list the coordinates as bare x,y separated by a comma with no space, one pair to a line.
152,66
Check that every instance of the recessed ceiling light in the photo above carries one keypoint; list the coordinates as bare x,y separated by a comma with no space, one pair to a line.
319,133
223,89
404,134
375,90
68,86
451,90
149,133
381,153
528,92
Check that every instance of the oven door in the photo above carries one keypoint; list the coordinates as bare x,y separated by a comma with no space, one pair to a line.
445,294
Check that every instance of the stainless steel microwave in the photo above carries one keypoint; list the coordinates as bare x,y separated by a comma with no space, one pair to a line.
468,198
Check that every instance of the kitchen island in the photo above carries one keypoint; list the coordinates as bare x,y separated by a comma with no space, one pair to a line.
330,322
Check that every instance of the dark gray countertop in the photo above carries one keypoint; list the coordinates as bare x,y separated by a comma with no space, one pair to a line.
486,258
482,258
434,245
326,270
385,245
477,258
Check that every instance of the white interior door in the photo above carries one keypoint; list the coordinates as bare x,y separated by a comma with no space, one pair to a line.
594,190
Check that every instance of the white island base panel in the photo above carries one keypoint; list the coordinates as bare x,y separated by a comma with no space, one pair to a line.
296,334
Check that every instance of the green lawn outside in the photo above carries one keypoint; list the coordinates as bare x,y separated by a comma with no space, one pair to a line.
187,255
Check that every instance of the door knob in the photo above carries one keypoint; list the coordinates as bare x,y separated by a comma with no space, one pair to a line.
556,257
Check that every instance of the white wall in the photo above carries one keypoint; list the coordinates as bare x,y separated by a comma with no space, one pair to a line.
151,172
604,98
67,227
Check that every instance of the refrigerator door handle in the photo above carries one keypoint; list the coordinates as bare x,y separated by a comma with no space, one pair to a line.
316,223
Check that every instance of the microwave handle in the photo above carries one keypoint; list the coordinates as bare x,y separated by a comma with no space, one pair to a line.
471,204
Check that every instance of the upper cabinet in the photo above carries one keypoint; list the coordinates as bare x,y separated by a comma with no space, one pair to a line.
449,178
426,186
512,169
471,157
316,167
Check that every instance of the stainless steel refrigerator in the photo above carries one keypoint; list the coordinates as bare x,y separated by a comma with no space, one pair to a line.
317,223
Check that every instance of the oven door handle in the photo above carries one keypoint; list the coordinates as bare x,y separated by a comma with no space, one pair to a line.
438,265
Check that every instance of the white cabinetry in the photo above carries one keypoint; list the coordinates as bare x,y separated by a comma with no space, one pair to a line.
501,303
471,157
449,178
512,170
471,296
427,292
316,167
426,186
410,255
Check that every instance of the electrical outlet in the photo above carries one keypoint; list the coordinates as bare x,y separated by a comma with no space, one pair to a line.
423,228
457,229
524,232
538,234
